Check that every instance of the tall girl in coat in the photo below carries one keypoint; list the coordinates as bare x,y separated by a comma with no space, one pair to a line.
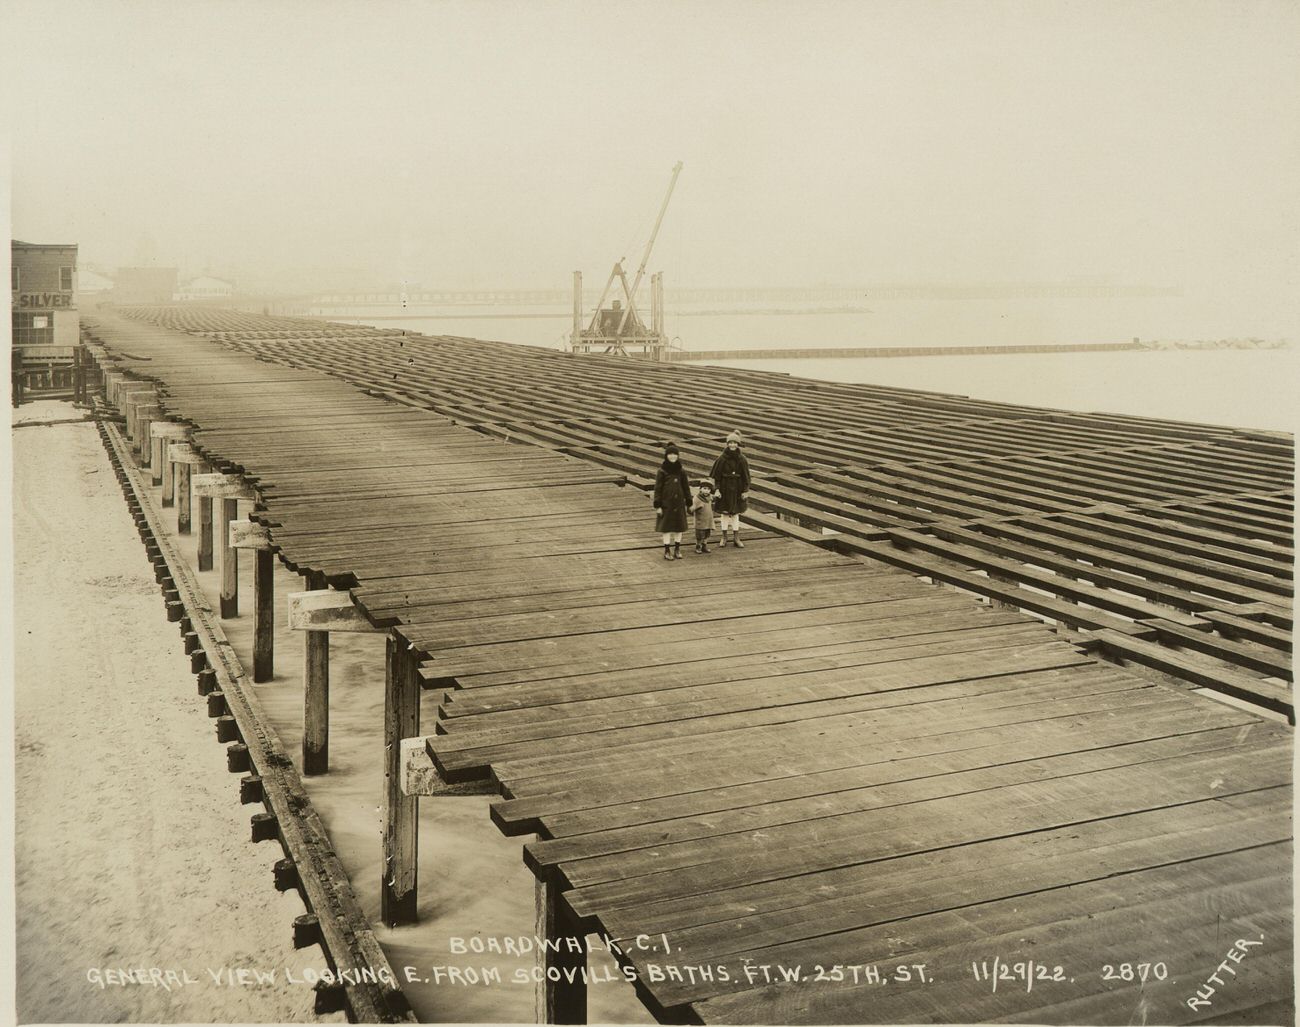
730,476
672,499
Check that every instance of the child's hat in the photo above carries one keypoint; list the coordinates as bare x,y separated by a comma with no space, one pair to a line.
670,447
734,437
706,483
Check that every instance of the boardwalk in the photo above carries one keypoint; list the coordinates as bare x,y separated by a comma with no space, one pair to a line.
1169,543
792,756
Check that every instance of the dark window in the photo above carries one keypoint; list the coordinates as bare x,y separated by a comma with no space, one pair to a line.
65,279
13,277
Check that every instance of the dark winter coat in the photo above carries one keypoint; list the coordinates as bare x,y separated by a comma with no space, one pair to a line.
672,497
730,476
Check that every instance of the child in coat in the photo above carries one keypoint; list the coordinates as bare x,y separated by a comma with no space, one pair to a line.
703,510
672,501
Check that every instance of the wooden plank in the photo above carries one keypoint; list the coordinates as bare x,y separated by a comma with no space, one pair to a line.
1146,909
1264,661
1270,696
1229,624
866,790
624,880
457,759
852,898
560,814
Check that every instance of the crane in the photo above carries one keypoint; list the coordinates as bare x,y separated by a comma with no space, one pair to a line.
616,327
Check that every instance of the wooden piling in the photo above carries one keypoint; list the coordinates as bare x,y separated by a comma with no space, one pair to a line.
263,615
229,561
168,473
316,695
205,533
157,462
561,990
401,720
183,500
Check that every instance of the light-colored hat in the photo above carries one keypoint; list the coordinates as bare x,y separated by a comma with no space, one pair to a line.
734,437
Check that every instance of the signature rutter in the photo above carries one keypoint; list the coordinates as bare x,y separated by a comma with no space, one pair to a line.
1240,948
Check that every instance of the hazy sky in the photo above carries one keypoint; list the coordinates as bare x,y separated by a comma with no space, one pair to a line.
514,142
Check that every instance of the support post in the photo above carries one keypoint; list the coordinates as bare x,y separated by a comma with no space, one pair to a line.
316,613
183,500
162,435
205,533
229,489
144,418
401,812
229,561
182,455
316,703
257,537
263,615
156,451
560,1000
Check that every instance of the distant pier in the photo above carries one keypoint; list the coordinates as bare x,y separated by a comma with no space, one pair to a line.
825,352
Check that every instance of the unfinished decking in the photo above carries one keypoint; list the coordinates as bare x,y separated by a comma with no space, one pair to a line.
792,757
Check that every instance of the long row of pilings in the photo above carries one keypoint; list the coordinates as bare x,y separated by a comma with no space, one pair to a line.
183,473
147,450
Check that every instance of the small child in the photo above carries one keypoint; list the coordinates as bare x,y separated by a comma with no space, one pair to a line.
703,509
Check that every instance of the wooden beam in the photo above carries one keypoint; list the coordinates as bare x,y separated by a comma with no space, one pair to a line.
1180,665
561,990
421,777
184,453
249,535
229,560
326,610
400,812
222,486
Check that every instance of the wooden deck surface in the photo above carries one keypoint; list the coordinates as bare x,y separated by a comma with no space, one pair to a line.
789,757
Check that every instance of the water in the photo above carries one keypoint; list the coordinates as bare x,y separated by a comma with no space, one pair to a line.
1242,388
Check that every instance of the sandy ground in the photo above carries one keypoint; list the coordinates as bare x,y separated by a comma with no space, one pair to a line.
132,850
126,709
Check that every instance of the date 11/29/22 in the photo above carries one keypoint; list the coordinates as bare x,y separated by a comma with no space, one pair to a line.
1028,972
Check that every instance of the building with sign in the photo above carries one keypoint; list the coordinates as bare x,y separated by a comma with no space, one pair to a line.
43,285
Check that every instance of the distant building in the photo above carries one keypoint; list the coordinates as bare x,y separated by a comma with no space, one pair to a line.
92,283
43,286
145,285
206,289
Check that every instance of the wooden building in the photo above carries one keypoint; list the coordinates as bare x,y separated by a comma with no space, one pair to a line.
43,287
